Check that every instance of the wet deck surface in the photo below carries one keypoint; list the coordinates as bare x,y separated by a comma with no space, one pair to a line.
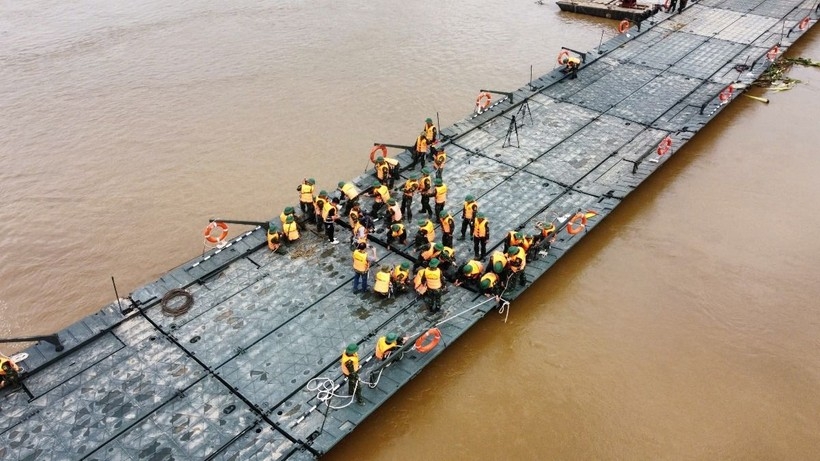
229,379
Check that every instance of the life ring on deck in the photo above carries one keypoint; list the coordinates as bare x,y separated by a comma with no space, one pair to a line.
804,23
666,5
726,94
425,348
574,226
665,145
772,53
564,54
483,100
209,232
623,26
380,148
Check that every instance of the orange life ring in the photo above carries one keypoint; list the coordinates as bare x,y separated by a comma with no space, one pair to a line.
726,94
209,236
664,146
564,54
804,23
425,348
380,148
623,26
483,100
571,225
772,53
666,5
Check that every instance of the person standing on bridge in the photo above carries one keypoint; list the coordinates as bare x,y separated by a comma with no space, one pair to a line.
361,266
420,150
306,197
439,160
349,192
468,212
481,234
350,368
441,195
330,214
448,225
410,188
426,191
430,133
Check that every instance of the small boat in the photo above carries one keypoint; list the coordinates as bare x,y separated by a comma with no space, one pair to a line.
611,9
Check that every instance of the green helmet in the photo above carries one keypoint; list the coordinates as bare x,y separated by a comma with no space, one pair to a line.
438,247
341,184
469,198
379,159
290,219
434,263
415,176
425,170
439,181
442,214
391,337
352,348
422,222
289,210
429,120
377,183
467,268
272,226
513,250
405,265
479,215
498,267
391,201
395,228
311,181
485,284
322,193
518,236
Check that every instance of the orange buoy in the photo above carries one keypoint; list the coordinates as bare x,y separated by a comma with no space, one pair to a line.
425,348
483,100
563,55
665,145
771,55
210,237
577,223
623,26
804,23
726,94
380,148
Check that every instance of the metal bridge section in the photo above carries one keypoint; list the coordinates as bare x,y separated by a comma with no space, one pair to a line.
229,379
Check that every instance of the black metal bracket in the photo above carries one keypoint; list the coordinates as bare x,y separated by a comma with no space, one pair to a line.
579,53
503,93
395,146
243,223
51,339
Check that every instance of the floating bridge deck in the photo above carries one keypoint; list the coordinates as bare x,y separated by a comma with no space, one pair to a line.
229,379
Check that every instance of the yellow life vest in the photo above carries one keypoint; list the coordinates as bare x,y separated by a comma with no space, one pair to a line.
498,257
492,277
353,358
517,261
3,362
393,163
382,171
424,183
526,243
431,231
284,218
353,216
440,160
399,275
470,209
429,132
448,254
350,191
326,209
381,193
382,284
306,193
546,231
421,144
447,224
398,232
291,231
441,193
513,241
430,252
475,268
433,277
360,262
319,204
480,228
410,187
572,62
273,240
382,346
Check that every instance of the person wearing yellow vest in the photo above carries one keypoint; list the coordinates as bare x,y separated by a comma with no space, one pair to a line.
397,233
481,233
513,238
420,150
318,206
288,211
546,235
528,245
433,279
9,372
306,196
499,265
517,261
448,225
439,160
387,344
350,368
427,253
290,229
330,213
426,191
274,237
470,273
468,212
394,171
571,64
382,285
430,133
410,188
381,194
490,285
441,195
382,170
361,266
400,277
348,192
426,234
446,260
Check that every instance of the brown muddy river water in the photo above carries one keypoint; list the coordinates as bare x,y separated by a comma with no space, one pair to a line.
685,326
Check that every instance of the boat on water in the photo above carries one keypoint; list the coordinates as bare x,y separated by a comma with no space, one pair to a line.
236,353
611,9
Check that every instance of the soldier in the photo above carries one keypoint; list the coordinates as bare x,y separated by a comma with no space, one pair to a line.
481,234
490,285
382,170
9,372
381,285
387,344
513,238
350,368
361,266
419,152
543,240
393,211
381,194
434,281
517,261
288,211
318,206
438,162
426,233
430,133
397,233
427,253
440,191
274,237
410,188
469,210
448,225
291,229
400,277
470,273
306,197
426,191
330,213
350,192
